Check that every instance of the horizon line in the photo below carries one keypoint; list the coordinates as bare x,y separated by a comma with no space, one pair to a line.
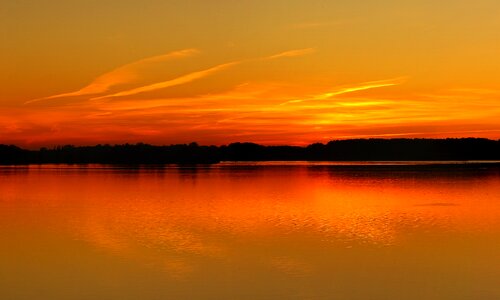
244,142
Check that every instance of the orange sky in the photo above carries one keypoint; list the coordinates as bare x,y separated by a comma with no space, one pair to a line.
215,72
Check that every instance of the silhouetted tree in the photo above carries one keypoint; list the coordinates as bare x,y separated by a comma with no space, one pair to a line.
339,150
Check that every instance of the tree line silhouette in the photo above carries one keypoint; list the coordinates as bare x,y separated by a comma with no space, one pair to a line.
338,150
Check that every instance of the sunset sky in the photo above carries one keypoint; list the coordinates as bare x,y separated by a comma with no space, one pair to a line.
274,72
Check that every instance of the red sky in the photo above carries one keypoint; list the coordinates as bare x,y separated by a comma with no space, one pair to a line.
286,72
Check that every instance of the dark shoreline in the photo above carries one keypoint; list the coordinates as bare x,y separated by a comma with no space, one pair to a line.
463,151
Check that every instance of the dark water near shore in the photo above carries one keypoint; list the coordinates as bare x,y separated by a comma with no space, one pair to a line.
250,231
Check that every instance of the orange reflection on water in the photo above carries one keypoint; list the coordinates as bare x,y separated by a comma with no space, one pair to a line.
288,220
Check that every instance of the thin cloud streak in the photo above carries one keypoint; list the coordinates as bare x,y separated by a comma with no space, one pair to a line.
410,134
251,110
174,82
121,75
292,53
350,89
201,74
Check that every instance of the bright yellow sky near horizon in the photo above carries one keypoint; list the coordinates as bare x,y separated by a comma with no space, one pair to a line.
274,72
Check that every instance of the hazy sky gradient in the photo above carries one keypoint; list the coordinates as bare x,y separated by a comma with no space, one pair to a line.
274,72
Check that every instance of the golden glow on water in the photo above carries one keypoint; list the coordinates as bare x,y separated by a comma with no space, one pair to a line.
249,232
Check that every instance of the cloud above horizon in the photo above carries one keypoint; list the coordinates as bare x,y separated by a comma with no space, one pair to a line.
351,88
121,75
247,109
202,73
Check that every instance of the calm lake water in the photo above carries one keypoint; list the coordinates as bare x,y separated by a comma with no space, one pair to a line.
250,231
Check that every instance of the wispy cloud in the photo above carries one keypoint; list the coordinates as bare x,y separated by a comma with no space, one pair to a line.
121,75
292,53
250,112
419,133
201,74
365,86
350,89
173,82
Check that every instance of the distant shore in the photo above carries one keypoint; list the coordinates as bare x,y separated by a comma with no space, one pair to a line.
453,151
